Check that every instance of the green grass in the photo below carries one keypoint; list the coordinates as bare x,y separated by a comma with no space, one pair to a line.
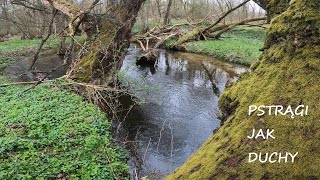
51,133
16,45
21,45
5,61
238,46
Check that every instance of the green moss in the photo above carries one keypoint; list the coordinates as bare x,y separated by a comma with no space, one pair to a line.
185,38
276,7
87,67
287,74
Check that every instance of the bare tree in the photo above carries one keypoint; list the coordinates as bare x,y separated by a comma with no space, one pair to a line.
145,17
167,16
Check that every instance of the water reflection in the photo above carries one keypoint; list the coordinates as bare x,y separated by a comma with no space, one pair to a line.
179,116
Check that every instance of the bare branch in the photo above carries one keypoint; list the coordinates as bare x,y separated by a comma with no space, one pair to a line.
44,39
225,15
66,8
237,24
29,5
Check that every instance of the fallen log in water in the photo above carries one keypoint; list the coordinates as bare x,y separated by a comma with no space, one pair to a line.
149,57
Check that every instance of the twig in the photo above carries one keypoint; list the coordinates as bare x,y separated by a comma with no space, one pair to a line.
145,153
125,117
171,140
162,128
42,79
110,164
256,25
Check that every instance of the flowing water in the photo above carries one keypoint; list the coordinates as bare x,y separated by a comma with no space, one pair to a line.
181,110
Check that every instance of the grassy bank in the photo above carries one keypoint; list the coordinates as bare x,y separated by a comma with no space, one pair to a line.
240,46
51,132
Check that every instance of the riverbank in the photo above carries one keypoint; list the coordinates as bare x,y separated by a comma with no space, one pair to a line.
240,46
50,132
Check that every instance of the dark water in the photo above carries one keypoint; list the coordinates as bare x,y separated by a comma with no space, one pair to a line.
48,60
180,113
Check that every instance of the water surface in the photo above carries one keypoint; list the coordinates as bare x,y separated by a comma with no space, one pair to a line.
180,113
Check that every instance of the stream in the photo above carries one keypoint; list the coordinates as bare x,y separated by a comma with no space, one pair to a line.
181,110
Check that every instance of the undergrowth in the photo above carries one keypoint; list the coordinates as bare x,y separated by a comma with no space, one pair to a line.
52,133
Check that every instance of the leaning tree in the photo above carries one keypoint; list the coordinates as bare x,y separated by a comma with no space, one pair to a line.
108,34
288,73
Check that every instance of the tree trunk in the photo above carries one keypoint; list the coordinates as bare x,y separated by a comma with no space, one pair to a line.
288,73
167,16
110,37
276,8
145,18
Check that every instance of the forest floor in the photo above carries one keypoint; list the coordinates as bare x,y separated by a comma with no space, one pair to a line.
51,132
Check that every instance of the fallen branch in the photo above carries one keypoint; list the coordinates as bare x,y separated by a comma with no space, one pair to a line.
162,40
149,57
142,46
198,32
237,24
20,83
218,28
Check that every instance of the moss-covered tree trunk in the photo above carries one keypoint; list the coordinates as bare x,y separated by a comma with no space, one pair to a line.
109,36
288,73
